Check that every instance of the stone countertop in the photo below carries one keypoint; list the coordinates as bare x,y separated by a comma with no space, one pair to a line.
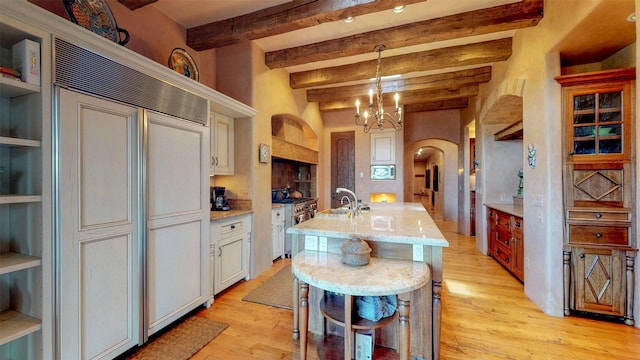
221,215
508,208
380,277
405,223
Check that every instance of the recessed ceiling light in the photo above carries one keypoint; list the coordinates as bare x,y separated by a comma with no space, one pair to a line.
398,9
631,17
349,19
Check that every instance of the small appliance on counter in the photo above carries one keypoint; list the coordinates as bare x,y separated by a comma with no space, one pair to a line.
219,199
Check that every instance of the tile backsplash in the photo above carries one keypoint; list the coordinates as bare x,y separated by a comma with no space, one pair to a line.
298,176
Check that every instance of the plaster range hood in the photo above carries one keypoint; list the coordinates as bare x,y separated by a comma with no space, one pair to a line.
292,139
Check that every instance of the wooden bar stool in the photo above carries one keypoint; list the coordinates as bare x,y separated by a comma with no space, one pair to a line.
380,277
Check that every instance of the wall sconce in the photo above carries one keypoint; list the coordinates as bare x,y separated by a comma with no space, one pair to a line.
532,156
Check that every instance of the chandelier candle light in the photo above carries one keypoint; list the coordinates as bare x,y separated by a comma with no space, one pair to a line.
377,113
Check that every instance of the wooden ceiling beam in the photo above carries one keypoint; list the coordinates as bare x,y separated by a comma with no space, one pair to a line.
136,4
437,105
512,16
452,79
290,16
455,56
406,98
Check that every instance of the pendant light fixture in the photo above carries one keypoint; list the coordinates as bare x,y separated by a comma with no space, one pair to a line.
376,116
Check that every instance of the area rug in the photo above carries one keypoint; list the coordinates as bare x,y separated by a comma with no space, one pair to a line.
276,291
181,341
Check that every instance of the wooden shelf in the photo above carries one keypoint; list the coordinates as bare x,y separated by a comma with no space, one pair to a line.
511,132
11,261
14,325
14,88
332,308
19,199
15,142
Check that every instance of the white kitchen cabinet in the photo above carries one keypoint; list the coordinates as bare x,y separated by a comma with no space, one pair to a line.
230,239
133,223
25,211
177,245
222,143
99,227
277,232
383,147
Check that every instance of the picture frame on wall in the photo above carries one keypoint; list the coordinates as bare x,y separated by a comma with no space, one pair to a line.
436,177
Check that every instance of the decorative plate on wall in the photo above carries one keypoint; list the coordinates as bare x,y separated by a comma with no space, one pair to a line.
182,62
96,16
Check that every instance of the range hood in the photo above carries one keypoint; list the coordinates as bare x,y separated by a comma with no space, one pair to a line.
291,138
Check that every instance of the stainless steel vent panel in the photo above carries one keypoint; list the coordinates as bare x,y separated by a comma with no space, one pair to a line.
81,69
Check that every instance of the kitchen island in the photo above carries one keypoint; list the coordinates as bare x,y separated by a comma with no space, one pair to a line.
393,231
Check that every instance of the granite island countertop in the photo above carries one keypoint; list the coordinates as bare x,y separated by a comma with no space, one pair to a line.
406,223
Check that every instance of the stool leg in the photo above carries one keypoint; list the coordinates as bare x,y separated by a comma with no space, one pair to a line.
405,331
296,300
304,318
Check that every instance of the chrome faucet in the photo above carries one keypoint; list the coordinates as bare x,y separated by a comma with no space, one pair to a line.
354,204
348,201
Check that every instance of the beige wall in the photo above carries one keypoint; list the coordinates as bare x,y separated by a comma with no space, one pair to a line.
243,75
535,60
154,39
343,120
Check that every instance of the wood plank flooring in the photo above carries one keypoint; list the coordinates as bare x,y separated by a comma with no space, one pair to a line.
485,316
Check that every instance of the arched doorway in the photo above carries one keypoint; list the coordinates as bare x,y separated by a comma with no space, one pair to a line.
440,159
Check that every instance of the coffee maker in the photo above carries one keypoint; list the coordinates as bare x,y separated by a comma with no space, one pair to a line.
219,199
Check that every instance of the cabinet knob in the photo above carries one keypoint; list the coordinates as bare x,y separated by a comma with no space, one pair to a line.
598,216
598,235
581,256
233,227
517,224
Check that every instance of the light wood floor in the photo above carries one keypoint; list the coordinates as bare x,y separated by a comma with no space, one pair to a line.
485,316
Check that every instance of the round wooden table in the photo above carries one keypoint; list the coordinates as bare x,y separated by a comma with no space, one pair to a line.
380,277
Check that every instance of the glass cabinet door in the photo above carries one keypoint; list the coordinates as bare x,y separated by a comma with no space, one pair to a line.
598,123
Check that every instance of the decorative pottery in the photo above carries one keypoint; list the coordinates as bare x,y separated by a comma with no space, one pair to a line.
355,252
95,15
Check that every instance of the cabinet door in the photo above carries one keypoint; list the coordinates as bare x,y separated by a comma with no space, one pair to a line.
597,120
277,232
599,281
383,147
222,143
177,219
99,238
229,269
232,239
517,252
491,231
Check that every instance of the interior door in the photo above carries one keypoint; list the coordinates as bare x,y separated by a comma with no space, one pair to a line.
343,163
178,254
98,237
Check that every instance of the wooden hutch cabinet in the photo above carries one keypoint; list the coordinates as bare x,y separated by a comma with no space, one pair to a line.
600,239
